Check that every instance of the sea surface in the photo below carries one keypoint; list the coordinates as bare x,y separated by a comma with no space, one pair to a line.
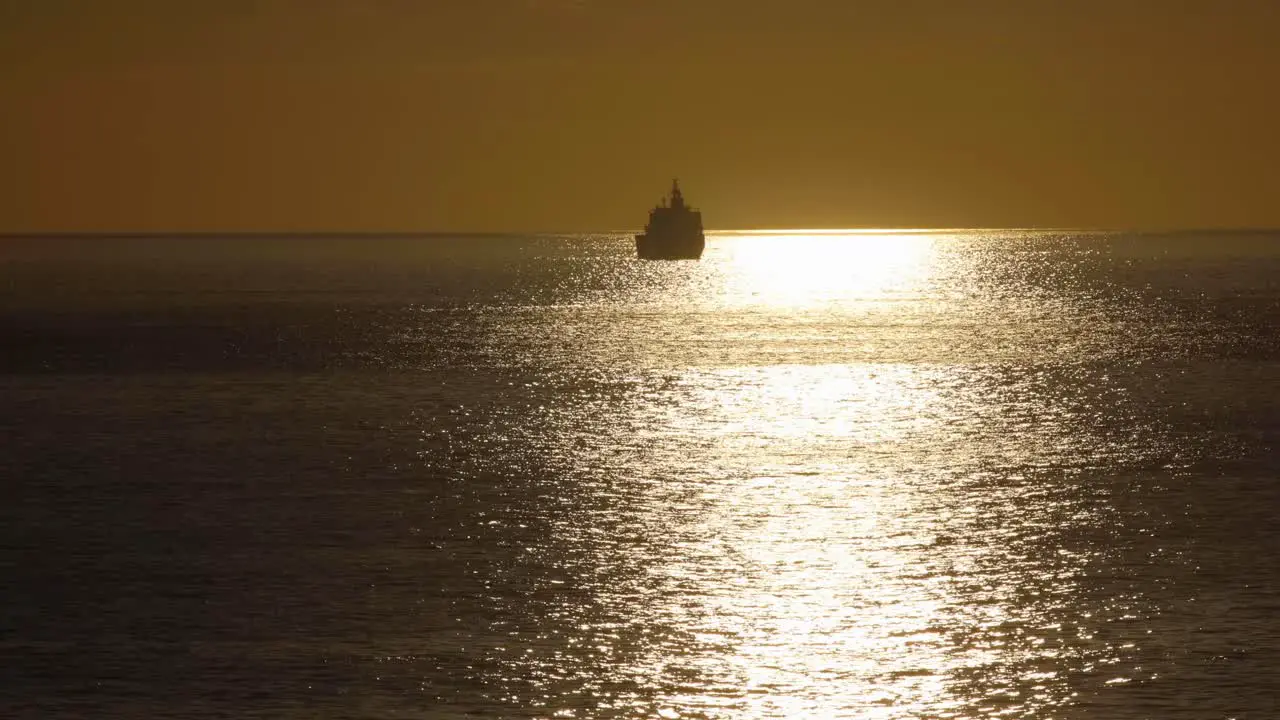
968,474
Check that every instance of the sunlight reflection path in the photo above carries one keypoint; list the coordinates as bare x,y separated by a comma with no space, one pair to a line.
815,601
782,538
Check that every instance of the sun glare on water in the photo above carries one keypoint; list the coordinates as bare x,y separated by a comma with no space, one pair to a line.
794,268
812,503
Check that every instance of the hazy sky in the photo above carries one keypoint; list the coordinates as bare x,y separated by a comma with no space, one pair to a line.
574,114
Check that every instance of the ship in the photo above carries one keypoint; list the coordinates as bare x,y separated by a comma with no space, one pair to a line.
674,230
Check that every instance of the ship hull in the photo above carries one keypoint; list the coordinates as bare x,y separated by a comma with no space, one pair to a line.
658,247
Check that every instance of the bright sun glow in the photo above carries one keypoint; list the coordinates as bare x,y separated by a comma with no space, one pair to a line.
814,267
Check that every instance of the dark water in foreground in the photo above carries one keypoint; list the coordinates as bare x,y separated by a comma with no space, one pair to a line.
1026,475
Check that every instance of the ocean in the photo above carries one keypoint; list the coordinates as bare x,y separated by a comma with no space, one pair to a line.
946,474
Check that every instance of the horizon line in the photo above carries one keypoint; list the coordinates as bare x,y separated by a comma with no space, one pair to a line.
140,234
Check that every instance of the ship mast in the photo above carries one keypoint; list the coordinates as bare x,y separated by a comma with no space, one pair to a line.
677,199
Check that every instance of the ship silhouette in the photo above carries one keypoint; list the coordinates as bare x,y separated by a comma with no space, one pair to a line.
674,230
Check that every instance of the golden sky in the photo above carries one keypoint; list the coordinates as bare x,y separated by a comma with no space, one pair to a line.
477,115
